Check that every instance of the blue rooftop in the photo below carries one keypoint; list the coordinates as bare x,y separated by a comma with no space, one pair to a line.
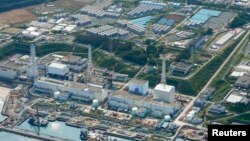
204,14
165,21
142,21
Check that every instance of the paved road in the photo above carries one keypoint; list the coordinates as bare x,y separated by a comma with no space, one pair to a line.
190,104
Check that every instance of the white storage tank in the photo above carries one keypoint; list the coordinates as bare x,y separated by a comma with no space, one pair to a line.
95,103
167,118
134,111
189,117
56,94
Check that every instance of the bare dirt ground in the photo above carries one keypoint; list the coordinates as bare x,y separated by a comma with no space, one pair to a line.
16,16
11,30
59,6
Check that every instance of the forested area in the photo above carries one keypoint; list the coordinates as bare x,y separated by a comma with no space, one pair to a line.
6,5
240,20
122,48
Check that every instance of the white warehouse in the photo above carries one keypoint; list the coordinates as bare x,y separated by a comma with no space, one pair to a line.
163,92
138,86
79,91
57,69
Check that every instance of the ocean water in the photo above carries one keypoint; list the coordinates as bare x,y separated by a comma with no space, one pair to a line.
57,129
2,118
6,136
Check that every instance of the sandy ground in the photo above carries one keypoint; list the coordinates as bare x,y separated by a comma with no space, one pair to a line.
4,93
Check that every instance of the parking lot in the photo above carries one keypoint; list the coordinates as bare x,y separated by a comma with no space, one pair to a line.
220,21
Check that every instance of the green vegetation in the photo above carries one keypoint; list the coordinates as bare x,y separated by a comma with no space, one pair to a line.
197,2
238,107
222,82
209,31
44,49
41,50
180,1
184,55
122,48
201,78
244,118
154,78
6,5
222,88
109,62
125,49
197,82
239,21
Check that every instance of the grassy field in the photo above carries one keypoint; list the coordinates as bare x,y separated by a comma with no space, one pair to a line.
243,118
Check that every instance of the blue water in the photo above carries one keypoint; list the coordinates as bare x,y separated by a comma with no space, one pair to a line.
142,21
5,136
56,129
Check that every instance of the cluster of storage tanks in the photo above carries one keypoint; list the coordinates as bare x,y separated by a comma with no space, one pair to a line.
146,7
99,13
108,31
160,29
60,15
131,27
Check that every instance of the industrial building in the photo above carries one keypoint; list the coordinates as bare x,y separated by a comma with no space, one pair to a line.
201,17
160,29
146,7
163,92
181,68
9,72
165,21
138,86
31,33
197,42
108,31
61,96
41,25
57,69
99,13
15,66
75,63
243,82
78,91
219,43
237,96
243,67
60,15
217,109
125,101
65,28
81,20
131,27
